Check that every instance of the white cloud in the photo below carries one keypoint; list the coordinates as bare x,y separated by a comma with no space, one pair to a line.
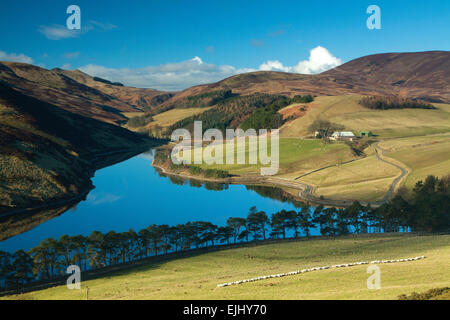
169,77
101,26
15,57
181,75
320,60
274,65
66,66
58,32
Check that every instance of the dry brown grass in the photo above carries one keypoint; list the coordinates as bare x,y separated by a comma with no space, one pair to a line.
346,111
428,155
367,179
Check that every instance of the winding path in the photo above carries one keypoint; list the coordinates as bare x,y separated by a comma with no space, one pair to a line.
306,193
404,171
306,190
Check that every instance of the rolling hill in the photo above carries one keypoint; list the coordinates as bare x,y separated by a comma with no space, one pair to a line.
74,100
56,126
421,76
196,275
424,75
48,154
78,92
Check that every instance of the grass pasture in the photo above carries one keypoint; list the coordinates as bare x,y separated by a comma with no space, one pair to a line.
197,276
367,179
170,117
424,155
346,111
415,138
296,157
325,108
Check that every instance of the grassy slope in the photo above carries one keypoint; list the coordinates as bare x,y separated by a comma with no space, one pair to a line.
196,277
55,87
424,155
366,179
46,153
324,108
167,118
170,117
425,152
296,157
346,111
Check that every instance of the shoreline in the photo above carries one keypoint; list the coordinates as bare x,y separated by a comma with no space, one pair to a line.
305,190
96,165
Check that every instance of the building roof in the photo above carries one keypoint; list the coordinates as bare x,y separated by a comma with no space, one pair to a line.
343,134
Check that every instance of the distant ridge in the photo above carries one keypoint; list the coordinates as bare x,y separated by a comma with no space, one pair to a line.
418,75
422,75
77,92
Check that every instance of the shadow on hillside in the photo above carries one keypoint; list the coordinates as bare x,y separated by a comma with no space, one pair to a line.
155,262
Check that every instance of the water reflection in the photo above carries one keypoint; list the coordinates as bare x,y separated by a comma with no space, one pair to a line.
133,194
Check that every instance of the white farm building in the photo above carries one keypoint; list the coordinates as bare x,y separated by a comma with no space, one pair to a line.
343,135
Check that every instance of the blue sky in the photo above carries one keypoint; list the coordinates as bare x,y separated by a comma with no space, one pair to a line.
152,43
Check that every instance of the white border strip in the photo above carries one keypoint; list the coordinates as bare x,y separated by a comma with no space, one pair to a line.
316,269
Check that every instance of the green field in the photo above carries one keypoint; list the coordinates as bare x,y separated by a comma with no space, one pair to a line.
416,139
197,276
296,157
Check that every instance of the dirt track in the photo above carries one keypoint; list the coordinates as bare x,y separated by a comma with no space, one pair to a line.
306,190
404,171
306,193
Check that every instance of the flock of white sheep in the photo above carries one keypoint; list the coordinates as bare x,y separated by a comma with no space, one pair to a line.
317,269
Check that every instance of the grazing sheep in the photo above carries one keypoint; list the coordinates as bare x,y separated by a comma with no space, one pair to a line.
316,269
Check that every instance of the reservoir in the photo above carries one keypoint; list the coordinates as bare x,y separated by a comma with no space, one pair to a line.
133,195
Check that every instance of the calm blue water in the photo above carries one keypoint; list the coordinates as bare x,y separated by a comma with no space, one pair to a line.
131,194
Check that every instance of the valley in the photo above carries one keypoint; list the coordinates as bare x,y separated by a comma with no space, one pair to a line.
347,176
60,128
224,159
95,110
48,155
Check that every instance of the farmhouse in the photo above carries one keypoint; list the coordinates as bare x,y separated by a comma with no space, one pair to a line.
343,135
